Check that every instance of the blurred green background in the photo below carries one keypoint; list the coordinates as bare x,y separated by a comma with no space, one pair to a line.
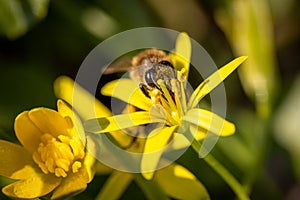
42,39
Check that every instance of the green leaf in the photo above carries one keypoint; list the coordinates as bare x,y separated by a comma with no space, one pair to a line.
17,17
286,124
249,28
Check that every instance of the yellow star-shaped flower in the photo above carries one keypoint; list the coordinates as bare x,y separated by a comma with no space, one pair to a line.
173,181
175,110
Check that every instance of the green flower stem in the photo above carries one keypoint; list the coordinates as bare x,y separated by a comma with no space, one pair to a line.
115,186
223,172
150,188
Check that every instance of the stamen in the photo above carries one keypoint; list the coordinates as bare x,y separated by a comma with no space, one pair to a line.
177,96
37,159
182,88
154,94
165,104
169,118
59,155
50,163
76,166
64,164
167,95
59,172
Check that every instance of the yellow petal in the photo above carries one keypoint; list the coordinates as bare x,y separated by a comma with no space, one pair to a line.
128,91
114,187
15,161
183,51
179,183
37,185
119,122
85,104
26,131
214,80
209,121
198,132
122,138
67,112
49,121
70,186
154,148
179,141
65,88
88,163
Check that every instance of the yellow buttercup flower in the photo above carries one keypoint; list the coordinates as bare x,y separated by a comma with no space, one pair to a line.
52,159
177,111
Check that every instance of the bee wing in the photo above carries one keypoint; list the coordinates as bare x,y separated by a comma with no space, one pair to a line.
118,66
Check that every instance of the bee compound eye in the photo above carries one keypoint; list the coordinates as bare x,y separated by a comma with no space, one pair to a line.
149,77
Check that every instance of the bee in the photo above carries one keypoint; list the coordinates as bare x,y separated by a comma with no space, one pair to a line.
147,68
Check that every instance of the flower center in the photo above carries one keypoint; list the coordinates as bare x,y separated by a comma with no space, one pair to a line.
175,103
59,155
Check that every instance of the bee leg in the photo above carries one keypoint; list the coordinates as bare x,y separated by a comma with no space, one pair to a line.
143,87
